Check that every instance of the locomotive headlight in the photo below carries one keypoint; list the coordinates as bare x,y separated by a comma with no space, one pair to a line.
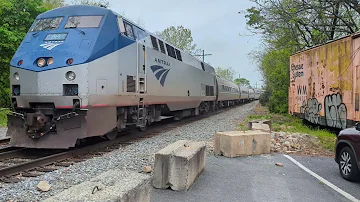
41,62
16,76
70,75
50,61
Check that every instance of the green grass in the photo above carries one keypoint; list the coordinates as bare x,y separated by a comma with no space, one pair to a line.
3,117
288,123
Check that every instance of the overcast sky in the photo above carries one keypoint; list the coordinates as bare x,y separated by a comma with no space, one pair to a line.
215,27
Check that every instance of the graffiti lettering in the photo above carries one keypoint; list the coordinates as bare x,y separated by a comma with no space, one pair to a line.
301,90
311,110
297,71
301,93
335,111
296,67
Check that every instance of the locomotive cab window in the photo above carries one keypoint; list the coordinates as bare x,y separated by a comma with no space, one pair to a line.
46,24
83,22
121,25
129,30
139,33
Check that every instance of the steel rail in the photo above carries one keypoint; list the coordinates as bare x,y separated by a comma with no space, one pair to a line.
4,140
11,153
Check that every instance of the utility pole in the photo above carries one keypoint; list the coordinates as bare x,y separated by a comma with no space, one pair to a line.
203,55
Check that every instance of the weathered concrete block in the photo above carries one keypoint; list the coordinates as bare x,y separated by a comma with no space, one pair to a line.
113,185
264,125
239,143
178,165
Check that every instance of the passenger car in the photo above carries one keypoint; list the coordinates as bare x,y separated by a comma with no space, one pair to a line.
347,150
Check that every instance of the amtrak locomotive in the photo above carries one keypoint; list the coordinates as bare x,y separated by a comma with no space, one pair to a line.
84,71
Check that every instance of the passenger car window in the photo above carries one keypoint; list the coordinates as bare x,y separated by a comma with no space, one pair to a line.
46,24
83,22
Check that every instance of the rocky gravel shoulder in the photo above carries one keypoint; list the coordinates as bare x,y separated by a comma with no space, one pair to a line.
3,131
133,157
297,144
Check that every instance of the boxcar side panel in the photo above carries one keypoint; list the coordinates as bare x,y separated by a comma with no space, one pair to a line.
321,84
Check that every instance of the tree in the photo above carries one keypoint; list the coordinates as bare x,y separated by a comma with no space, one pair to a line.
228,73
103,3
287,26
308,22
16,17
242,81
51,4
180,37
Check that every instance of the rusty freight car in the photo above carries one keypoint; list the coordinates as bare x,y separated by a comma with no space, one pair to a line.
324,83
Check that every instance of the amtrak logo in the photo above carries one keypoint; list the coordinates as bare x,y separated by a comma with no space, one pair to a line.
49,46
160,74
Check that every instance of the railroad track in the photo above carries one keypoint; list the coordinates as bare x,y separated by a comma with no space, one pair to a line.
4,142
19,163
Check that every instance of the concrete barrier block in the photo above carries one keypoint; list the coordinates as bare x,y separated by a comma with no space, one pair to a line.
178,165
239,143
264,125
113,185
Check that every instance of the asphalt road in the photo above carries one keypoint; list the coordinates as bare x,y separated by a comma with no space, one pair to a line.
257,178
327,168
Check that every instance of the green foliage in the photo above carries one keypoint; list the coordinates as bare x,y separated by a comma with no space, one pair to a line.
274,66
104,3
16,17
3,117
242,81
51,4
288,26
253,117
180,37
242,127
228,73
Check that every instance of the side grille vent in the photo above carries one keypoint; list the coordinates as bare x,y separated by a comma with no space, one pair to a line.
209,90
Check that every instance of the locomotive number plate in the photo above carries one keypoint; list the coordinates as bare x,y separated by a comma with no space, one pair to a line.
55,37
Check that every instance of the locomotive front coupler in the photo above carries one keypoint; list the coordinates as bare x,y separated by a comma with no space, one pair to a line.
39,125
36,123
68,115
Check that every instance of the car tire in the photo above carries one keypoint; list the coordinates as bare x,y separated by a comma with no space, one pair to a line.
347,164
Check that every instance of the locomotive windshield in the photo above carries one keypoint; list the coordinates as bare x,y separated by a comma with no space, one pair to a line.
46,24
83,22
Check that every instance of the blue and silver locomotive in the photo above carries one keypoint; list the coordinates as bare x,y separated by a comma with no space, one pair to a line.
84,71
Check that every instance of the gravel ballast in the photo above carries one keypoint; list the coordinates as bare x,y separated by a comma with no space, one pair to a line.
3,131
133,157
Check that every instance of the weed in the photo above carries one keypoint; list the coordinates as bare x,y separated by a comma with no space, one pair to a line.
3,117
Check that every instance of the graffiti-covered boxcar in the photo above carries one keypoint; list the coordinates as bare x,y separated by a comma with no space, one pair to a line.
324,83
